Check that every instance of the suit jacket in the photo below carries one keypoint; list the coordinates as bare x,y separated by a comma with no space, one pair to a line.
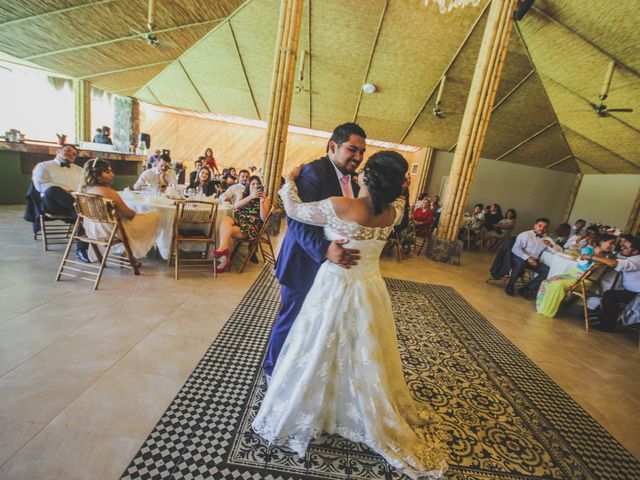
304,246
33,207
502,262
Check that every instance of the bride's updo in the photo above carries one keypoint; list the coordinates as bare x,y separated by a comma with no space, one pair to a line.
384,174
93,169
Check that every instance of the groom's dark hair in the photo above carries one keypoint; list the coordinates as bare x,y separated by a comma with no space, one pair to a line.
342,133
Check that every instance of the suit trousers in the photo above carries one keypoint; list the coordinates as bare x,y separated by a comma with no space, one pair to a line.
292,301
611,307
519,265
57,201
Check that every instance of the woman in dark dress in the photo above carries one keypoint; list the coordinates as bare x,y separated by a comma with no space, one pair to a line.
248,218
204,181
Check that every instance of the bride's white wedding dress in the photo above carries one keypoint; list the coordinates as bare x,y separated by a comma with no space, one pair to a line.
339,370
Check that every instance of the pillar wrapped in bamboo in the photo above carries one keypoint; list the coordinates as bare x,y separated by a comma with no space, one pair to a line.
282,83
477,114
572,198
82,92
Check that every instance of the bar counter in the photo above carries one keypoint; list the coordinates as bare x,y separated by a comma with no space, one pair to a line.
18,159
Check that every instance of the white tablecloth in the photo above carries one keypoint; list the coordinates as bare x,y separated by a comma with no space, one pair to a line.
167,211
560,263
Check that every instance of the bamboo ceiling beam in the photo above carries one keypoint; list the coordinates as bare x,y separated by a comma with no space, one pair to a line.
204,102
586,40
526,140
122,70
154,96
244,71
373,49
446,70
617,155
559,161
544,90
502,100
54,12
137,36
588,164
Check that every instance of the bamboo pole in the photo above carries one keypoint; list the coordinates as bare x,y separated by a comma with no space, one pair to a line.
82,93
477,115
282,84
572,198
425,173
633,224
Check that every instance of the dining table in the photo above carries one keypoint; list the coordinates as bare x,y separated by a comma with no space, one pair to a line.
166,207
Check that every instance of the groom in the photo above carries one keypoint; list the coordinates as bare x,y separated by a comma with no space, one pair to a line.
304,247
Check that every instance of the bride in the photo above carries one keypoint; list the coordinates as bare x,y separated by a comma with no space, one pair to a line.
339,370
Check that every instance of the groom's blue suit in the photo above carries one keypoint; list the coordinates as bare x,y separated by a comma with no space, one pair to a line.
302,252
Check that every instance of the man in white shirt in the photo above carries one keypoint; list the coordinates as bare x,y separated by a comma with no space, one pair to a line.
55,180
526,253
578,227
629,268
235,192
159,176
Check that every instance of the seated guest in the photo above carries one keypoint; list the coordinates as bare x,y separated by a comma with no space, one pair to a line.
553,290
578,227
614,300
248,218
55,180
423,217
141,228
504,227
235,192
581,240
477,218
493,217
159,176
104,136
178,167
153,159
228,180
437,210
526,253
210,162
197,166
623,242
205,182
421,198
560,236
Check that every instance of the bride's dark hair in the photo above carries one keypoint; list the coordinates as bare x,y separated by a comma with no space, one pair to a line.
384,174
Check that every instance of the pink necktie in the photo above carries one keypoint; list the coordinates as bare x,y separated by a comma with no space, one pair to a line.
344,185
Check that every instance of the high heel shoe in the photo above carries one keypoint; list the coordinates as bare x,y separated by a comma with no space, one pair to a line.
220,253
226,268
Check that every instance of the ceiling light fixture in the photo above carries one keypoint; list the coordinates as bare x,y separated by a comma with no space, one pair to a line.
448,5
369,88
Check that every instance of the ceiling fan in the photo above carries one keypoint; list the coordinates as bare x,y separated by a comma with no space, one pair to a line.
150,36
437,110
600,108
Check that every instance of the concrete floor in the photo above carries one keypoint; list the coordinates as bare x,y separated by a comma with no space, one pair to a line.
84,375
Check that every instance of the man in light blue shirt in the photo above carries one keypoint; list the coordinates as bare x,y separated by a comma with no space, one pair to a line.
525,254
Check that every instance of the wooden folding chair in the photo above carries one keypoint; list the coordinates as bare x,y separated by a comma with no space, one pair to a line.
54,229
263,242
582,290
422,240
195,222
394,242
97,209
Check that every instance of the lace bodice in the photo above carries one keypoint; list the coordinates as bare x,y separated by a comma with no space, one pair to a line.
322,214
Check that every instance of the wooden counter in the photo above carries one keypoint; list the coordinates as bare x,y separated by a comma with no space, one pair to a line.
18,159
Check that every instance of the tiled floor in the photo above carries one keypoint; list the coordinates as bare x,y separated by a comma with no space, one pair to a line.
84,375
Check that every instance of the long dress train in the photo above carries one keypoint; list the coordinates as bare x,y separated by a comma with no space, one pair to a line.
339,370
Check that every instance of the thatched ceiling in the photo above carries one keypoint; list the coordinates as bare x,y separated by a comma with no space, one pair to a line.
557,59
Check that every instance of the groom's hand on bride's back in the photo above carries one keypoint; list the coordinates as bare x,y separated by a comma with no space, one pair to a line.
345,257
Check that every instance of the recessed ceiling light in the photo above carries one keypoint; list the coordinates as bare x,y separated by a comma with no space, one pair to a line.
369,88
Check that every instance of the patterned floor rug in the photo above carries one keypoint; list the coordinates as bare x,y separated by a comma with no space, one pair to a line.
506,419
